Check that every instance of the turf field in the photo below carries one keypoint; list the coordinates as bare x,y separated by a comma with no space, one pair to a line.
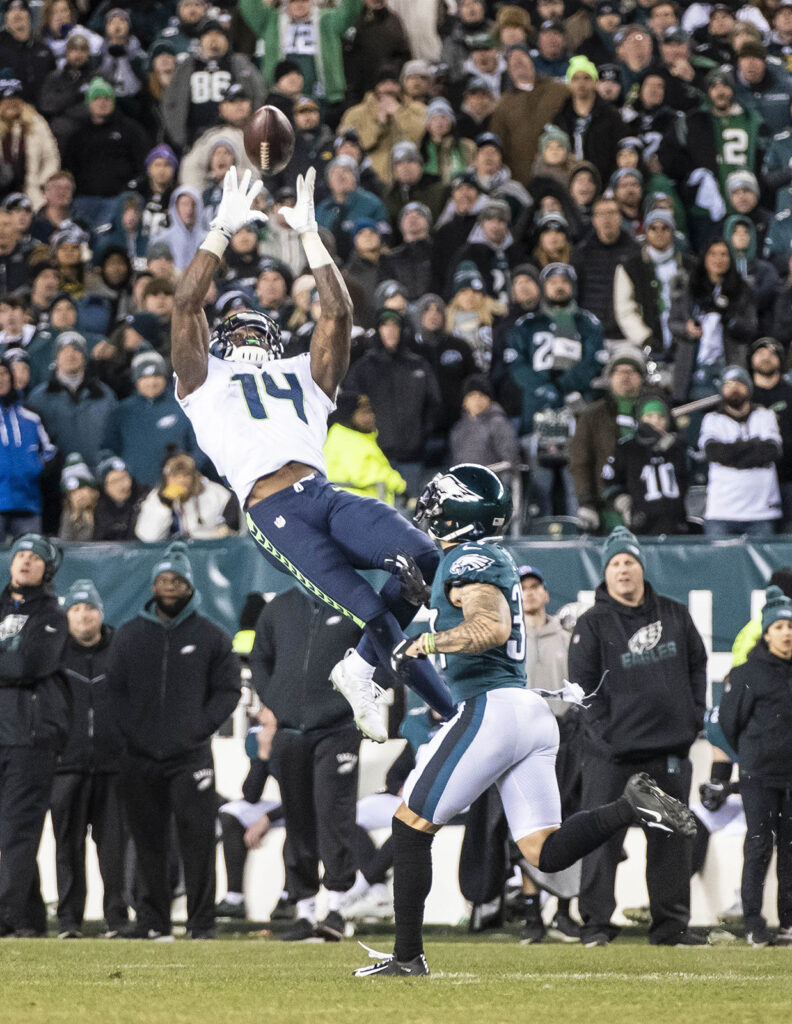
252,979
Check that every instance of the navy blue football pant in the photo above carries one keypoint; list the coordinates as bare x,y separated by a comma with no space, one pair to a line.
321,535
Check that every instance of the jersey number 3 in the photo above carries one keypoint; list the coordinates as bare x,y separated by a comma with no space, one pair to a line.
251,392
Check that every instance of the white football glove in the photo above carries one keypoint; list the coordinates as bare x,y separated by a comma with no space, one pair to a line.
301,217
234,210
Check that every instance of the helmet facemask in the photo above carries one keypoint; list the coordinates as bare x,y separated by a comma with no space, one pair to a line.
247,337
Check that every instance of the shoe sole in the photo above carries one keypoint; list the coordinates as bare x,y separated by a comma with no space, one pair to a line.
559,936
675,815
376,737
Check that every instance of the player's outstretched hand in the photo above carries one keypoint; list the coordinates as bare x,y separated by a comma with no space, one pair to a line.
234,210
301,217
404,649
414,588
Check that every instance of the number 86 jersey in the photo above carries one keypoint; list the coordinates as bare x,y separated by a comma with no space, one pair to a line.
252,420
469,675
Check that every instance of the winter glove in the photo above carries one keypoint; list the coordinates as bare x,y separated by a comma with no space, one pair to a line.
548,397
234,210
623,505
714,794
301,217
588,518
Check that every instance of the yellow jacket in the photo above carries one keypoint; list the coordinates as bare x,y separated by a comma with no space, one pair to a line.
356,459
745,641
377,140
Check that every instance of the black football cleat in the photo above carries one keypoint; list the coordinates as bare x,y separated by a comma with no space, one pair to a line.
332,928
657,809
388,966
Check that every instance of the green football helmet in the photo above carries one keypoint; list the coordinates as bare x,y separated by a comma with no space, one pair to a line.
467,502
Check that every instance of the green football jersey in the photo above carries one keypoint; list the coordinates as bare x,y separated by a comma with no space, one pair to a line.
469,675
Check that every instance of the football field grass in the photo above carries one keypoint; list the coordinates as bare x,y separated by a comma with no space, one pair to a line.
250,979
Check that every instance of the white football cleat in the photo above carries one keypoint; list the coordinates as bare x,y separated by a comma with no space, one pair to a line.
365,698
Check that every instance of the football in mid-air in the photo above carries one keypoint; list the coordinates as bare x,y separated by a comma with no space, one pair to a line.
269,140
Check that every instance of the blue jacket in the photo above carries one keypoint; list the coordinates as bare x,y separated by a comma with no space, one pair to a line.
140,429
770,98
74,420
527,353
24,448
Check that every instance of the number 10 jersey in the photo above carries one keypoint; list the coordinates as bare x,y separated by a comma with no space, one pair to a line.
251,420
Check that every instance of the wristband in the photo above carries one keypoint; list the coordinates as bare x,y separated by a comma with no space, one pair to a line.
428,643
216,243
315,251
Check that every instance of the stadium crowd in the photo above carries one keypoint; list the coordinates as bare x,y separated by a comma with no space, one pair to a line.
567,231
560,226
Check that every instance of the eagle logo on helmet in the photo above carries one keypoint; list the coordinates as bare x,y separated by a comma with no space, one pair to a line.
247,336
468,501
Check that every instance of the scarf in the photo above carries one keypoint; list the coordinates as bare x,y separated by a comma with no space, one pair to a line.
563,317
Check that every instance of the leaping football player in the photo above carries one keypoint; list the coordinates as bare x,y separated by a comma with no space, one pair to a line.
502,734
262,420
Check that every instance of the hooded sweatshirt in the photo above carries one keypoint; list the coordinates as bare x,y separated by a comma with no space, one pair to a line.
184,241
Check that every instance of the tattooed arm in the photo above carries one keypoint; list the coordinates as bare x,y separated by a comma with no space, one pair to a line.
487,623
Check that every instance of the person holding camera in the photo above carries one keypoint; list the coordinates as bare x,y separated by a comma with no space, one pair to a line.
756,718
34,719
551,358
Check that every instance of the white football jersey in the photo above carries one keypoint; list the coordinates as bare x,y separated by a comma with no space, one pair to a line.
251,420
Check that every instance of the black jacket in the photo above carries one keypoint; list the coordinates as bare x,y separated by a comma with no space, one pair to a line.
756,716
779,399
404,394
30,62
595,264
95,741
117,522
411,265
105,158
653,697
452,360
601,135
298,641
34,699
173,683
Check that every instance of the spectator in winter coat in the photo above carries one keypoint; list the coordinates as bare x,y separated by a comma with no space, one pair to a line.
378,40
29,148
595,261
104,153
80,494
411,262
521,115
411,183
187,228
73,406
593,125
186,504
308,35
450,357
742,445
642,286
85,791
404,395
313,145
383,118
122,61
493,250
188,109
755,717
712,320
646,477
142,426
23,55
117,509
347,204
472,314
234,109
655,686
599,428
167,716
760,275
354,459
25,448
363,267
772,391
763,85
34,717
483,434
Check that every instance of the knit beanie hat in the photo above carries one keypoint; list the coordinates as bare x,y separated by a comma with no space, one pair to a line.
581,63
777,606
467,276
83,592
441,106
175,560
552,133
653,405
148,364
34,542
76,474
109,462
99,87
162,152
621,542
735,372
626,353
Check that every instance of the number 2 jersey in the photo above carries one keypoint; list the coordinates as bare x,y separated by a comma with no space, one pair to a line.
469,675
251,420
